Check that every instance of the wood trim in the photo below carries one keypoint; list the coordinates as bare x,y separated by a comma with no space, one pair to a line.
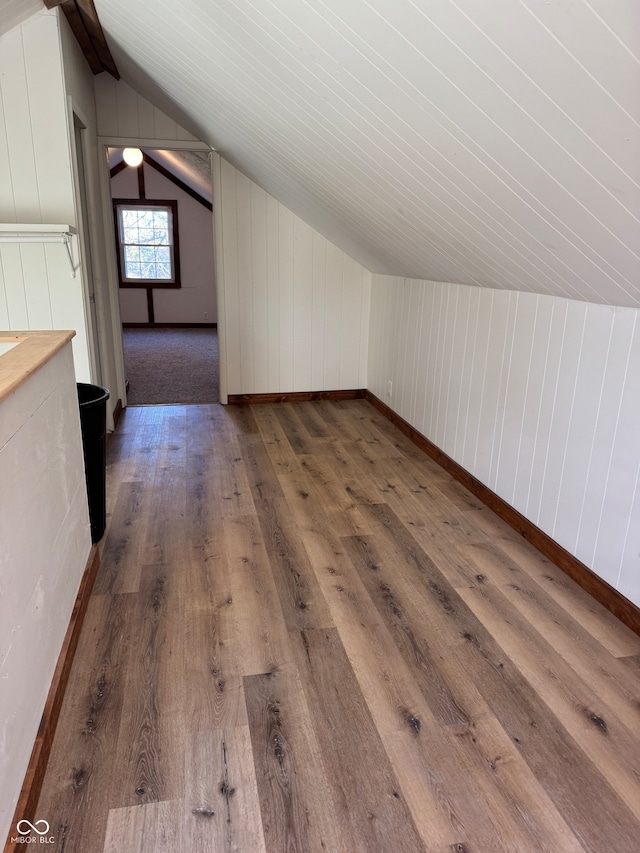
111,140
148,202
296,397
142,192
32,785
170,325
94,29
117,413
33,350
82,36
610,598
150,309
119,167
85,25
147,158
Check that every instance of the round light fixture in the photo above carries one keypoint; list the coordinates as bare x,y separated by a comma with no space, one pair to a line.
132,156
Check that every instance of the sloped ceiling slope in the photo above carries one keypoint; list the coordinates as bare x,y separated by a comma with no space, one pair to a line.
493,143
14,12
193,168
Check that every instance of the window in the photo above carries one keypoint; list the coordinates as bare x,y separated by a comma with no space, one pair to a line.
147,237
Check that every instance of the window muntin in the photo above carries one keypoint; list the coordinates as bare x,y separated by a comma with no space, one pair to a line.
147,236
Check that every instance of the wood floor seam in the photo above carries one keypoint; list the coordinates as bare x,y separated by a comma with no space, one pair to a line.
306,636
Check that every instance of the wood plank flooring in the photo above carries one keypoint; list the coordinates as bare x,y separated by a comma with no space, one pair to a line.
305,636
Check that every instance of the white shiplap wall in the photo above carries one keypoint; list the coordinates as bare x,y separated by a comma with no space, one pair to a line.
37,289
122,112
537,396
44,546
295,307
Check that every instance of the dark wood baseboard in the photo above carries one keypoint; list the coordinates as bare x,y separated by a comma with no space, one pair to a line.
117,412
625,610
296,397
32,785
169,325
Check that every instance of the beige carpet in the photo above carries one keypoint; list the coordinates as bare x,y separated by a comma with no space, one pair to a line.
171,366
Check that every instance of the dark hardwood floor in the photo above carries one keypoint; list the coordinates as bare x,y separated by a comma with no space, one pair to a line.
305,636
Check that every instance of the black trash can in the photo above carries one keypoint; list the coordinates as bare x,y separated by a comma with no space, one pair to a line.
93,421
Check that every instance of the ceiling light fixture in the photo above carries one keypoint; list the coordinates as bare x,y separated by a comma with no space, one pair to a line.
132,156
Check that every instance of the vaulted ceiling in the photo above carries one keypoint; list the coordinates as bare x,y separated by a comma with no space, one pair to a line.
493,143
14,12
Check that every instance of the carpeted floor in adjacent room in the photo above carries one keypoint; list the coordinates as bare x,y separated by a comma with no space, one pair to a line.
171,365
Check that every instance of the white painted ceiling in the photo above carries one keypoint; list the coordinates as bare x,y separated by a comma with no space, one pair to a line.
191,167
488,142
14,12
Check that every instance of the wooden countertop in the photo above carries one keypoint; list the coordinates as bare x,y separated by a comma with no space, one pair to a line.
33,350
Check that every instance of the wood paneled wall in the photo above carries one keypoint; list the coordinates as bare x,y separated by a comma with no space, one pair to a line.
296,308
37,289
536,396
36,173
123,112
45,543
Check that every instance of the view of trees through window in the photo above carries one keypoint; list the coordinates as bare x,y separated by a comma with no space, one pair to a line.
147,243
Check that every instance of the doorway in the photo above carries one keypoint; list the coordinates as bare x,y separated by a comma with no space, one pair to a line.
86,250
165,365
163,222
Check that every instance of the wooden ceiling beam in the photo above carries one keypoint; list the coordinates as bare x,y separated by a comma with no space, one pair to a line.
93,26
86,27
151,161
82,36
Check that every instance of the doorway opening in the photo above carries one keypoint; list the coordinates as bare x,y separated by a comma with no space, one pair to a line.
80,149
163,223
165,365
